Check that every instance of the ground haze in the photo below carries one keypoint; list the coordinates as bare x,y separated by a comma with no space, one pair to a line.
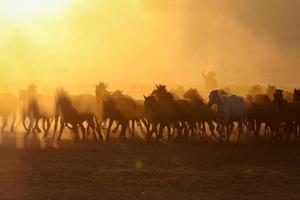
140,170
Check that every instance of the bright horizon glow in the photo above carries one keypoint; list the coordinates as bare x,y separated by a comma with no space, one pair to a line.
77,42
20,10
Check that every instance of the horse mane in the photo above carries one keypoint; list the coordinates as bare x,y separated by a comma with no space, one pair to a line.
162,94
193,95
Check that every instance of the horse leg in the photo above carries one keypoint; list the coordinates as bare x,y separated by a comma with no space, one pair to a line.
150,130
44,125
266,130
116,128
179,131
285,130
297,128
62,126
75,130
192,129
186,130
132,127
36,127
123,130
30,127
240,126
169,132
154,130
89,126
220,129
98,130
82,130
108,129
289,130
228,130
257,130
48,124
4,124
13,123
24,123
147,125
182,129
212,128
160,132
203,129
93,127
139,123
55,125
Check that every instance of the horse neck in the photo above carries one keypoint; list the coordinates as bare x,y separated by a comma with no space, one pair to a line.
222,101
152,106
280,102
103,96
66,107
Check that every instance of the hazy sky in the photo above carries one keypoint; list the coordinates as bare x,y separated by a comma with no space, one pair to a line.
152,41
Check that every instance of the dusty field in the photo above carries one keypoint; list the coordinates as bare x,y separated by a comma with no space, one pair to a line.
137,170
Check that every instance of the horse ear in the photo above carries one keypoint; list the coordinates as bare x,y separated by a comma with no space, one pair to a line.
144,96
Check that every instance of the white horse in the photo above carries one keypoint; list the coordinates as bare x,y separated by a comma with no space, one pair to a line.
230,109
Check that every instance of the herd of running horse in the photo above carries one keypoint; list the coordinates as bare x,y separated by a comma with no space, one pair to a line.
159,115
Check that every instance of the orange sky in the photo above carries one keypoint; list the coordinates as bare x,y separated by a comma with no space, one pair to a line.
151,41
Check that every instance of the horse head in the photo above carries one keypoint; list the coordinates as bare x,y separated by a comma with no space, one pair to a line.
270,90
214,98
296,95
278,96
101,90
162,94
150,102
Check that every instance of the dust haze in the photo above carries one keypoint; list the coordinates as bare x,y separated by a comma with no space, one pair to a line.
143,42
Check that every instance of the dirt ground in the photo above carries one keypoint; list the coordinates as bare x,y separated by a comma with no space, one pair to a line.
34,169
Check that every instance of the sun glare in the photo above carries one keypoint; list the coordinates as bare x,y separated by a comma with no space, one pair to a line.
17,10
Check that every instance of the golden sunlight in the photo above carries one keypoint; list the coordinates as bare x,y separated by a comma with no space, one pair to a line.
20,10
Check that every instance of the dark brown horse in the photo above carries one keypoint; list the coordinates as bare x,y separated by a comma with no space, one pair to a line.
200,112
159,116
289,113
73,119
116,107
262,110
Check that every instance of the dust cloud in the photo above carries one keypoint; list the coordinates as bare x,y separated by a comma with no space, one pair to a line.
143,42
